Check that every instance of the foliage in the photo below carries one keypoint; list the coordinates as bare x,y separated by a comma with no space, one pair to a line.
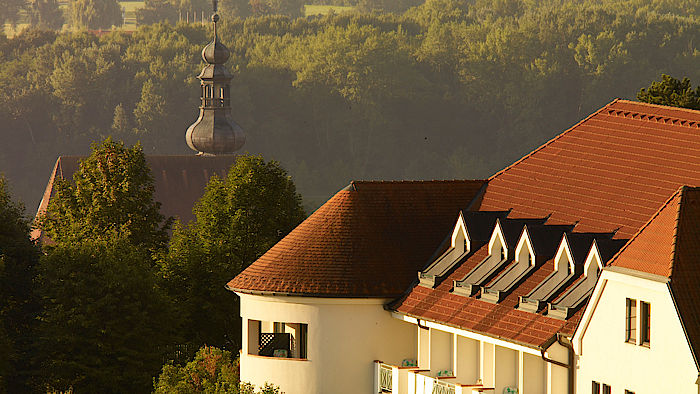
105,326
211,371
237,220
448,89
18,257
155,11
9,10
95,14
268,388
45,14
671,91
111,195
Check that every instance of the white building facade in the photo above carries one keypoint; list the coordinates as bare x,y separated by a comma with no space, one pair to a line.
575,270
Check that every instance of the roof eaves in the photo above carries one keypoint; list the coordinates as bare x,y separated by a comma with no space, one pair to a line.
305,294
525,344
683,325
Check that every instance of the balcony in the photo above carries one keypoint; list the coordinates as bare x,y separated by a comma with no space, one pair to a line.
412,380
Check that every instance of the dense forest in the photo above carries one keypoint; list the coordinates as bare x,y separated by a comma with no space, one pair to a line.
447,89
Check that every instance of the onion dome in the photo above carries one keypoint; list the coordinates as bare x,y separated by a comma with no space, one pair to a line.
215,52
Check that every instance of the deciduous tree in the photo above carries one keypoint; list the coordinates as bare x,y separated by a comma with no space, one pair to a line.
95,14
111,194
18,257
238,219
105,326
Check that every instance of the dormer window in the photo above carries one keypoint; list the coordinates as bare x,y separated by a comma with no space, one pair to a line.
503,254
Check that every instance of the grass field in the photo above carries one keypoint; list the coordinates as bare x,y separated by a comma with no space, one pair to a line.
310,10
130,8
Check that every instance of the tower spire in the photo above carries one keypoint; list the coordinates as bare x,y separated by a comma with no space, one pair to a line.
215,132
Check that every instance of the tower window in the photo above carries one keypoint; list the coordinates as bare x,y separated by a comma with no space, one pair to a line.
221,93
631,321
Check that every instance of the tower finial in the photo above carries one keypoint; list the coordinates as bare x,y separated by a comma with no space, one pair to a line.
215,132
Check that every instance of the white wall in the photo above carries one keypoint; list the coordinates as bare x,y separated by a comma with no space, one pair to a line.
345,336
506,368
440,351
667,366
467,359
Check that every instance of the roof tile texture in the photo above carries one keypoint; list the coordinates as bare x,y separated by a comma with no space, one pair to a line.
613,170
369,240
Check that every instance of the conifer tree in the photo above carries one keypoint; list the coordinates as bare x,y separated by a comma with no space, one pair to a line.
672,92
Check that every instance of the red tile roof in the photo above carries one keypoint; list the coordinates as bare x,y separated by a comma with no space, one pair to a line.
669,245
179,180
369,240
500,320
612,170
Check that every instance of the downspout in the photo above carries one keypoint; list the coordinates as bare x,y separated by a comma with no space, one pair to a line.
563,341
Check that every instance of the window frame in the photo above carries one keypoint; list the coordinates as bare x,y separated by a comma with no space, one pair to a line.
644,324
631,320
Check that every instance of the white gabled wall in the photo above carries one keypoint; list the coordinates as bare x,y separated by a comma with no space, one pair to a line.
667,366
345,336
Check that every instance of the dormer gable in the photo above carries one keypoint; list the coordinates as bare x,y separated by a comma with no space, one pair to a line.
524,251
594,262
498,247
564,259
564,305
460,240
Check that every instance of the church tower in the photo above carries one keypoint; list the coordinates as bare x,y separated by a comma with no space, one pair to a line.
215,132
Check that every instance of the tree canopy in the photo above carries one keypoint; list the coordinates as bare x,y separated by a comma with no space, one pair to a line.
18,257
671,91
111,195
105,326
448,89
238,219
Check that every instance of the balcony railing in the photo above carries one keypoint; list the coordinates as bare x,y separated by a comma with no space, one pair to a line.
443,388
385,378
275,344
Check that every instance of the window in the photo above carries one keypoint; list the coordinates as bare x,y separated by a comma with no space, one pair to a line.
503,253
303,332
278,327
596,388
645,323
631,321
606,389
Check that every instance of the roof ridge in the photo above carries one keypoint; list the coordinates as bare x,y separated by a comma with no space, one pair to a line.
675,230
654,118
416,181
681,210
695,111
553,139
654,216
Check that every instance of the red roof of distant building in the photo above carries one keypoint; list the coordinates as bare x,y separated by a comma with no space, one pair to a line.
179,181
368,240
